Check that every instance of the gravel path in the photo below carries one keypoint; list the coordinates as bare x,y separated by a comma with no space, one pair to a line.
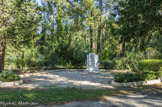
67,79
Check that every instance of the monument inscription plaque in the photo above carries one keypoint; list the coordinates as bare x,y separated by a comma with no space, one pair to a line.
92,63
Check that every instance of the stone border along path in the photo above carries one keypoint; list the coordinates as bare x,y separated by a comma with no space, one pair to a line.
10,84
138,83
64,78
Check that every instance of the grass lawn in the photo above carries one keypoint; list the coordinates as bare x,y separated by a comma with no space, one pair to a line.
62,95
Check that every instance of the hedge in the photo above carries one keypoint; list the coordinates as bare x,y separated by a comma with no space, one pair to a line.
107,64
127,77
134,77
150,64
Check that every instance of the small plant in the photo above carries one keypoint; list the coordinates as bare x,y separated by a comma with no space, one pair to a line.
8,76
127,77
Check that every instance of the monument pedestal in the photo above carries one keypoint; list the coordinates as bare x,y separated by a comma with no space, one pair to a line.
92,63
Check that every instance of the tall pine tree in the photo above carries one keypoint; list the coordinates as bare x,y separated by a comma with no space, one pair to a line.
18,24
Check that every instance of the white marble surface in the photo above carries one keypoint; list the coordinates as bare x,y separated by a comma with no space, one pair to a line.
92,63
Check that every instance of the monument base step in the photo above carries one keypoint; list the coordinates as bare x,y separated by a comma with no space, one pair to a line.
93,71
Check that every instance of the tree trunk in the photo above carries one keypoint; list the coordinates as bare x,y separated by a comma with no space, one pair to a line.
104,26
102,38
91,35
98,40
123,49
2,54
99,31
91,38
3,41
107,9
52,20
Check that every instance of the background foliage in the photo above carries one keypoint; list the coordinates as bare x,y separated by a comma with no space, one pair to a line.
59,34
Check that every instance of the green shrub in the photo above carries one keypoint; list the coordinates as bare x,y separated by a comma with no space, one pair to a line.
149,75
152,53
32,64
8,76
150,65
160,69
107,64
20,63
122,63
131,62
159,74
127,77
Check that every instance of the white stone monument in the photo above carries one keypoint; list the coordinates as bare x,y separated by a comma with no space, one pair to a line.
92,63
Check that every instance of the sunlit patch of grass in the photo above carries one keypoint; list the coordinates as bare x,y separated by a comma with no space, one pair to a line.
124,92
30,95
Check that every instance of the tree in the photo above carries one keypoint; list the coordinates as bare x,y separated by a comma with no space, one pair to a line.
138,20
18,22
